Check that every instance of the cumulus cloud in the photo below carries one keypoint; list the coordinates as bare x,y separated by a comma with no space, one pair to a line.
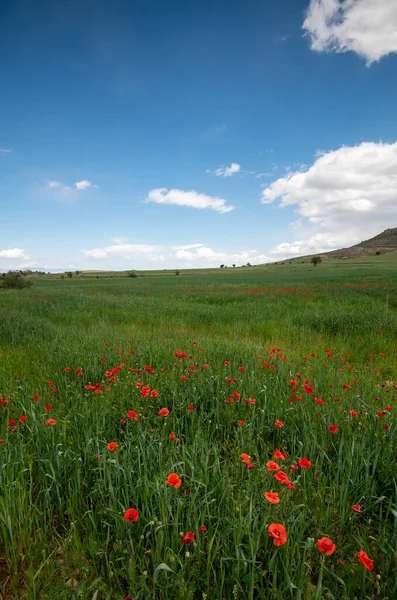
82,185
126,251
367,27
193,199
321,242
348,195
13,253
228,171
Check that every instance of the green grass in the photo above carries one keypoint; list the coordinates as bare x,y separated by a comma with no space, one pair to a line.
63,494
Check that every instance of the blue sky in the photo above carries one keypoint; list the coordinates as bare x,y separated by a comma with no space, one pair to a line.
181,134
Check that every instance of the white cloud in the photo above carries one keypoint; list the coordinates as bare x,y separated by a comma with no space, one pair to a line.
125,251
13,253
348,195
54,184
5,150
321,242
228,171
192,199
203,256
28,265
119,240
187,246
367,27
82,185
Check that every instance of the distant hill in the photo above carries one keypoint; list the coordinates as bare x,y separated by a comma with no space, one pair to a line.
381,243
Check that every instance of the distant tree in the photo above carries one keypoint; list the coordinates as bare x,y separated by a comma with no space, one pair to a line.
69,274
233,265
14,280
249,265
77,273
177,272
316,260
377,253
222,266
132,274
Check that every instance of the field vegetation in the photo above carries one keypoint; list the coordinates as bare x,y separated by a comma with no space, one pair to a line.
143,419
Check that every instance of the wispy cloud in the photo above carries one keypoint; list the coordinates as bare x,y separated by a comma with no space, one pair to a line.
223,171
66,190
126,251
192,198
5,150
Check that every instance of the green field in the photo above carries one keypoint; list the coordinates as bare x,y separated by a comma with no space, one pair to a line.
307,344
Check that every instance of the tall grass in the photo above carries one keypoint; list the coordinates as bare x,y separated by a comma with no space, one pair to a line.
63,494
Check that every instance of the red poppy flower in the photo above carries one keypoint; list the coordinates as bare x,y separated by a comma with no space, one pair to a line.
245,458
326,545
304,463
154,393
278,533
272,466
66,369
356,508
36,397
174,480
11,422
353,413
132,414
294,467
281,477
112,446
48,407
250,401
272,497
279,455
236,395
365,560
173,437
50,383
249,465
190,408
333,428
202,529
188,537
164,412
50,422
279,424
22,419
131,515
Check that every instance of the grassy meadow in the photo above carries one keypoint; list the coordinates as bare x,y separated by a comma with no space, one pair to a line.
259,368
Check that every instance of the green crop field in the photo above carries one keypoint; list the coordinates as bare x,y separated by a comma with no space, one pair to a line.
259,368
